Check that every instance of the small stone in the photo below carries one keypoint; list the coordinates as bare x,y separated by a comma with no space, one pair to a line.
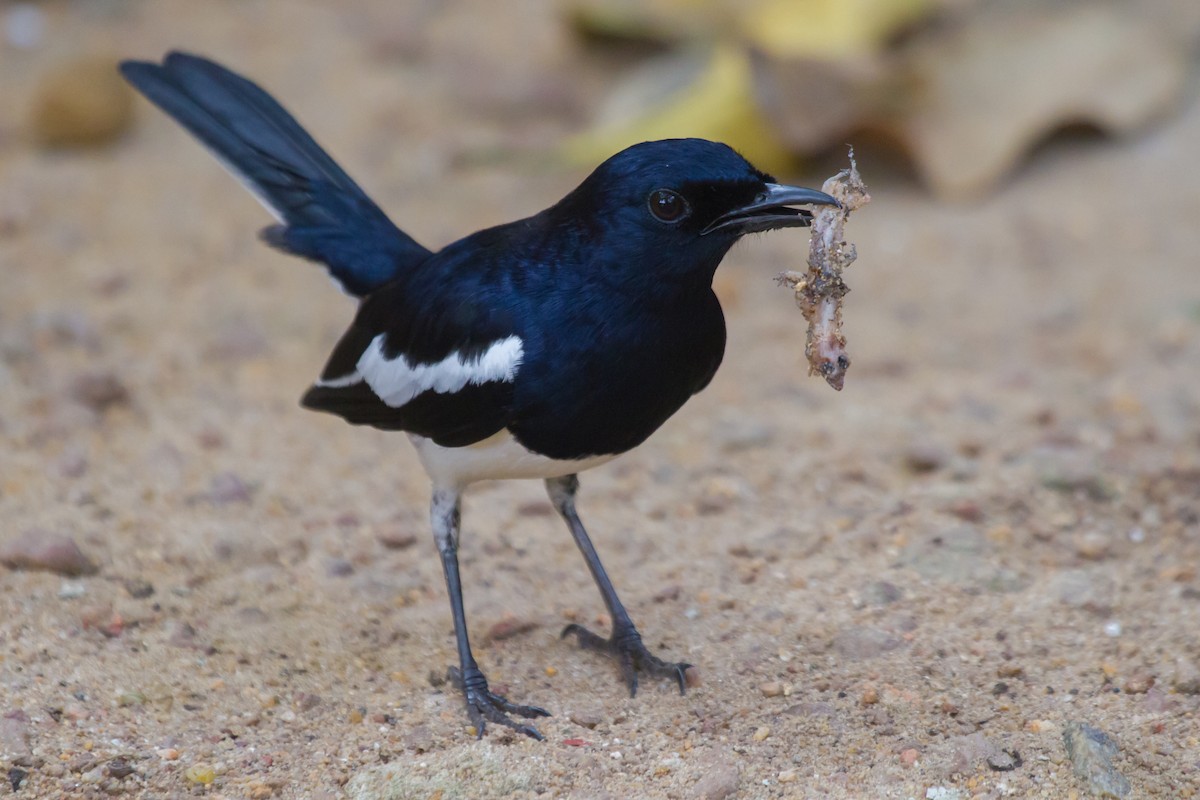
72,590
1139,682
119,768
200,773
1092,545
787,776
1185,677
1091,752
39,549
99,391
719,494
589,718
15,735
228,487
924,457
869,697
761,734
692,677
857,644
16,777
306,701
167,754
338,568
943,793
771,689
138,588
723,780
881,593
1112,628
396,538
909,757
82,103
666,593
1010,671
509,627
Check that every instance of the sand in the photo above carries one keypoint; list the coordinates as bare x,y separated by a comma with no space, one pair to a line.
904,589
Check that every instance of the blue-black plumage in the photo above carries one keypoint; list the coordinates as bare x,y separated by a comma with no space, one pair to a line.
534,349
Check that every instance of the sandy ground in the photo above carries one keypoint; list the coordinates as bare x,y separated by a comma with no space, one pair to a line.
991,533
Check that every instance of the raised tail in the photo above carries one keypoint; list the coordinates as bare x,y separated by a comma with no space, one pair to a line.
324,216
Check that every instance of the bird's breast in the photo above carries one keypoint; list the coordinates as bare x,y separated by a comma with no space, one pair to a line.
602,381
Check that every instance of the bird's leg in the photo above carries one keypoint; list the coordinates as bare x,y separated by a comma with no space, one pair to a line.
625,643
482,704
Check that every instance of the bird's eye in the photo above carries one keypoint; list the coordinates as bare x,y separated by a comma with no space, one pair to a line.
668,206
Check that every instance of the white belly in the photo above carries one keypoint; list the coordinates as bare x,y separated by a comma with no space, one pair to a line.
498,457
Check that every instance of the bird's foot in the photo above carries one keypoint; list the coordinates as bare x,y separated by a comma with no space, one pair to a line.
625,645
485,706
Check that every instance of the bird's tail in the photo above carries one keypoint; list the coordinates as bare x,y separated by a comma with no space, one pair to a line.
324,216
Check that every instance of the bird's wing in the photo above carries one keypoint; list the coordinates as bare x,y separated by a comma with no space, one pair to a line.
324,216
443,370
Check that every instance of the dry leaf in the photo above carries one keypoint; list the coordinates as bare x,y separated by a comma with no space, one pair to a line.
706,94
1004,82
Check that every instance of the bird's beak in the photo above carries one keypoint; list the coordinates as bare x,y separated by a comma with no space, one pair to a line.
772,209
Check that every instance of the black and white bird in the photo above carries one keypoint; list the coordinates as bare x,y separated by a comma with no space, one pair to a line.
536,349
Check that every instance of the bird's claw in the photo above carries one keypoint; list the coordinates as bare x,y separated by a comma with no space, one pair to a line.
484,705
625,645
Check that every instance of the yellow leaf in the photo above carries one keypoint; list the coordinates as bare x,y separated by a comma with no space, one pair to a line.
828,28
715,101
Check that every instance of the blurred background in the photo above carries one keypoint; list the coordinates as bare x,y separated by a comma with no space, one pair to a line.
990,535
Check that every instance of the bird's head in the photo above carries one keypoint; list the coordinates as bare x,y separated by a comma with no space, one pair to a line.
673,208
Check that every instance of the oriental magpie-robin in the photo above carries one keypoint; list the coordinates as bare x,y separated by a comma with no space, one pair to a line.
535,349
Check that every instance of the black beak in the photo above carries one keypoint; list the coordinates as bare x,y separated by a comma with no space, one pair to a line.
772,209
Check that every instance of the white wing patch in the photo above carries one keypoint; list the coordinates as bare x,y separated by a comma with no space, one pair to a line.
397,381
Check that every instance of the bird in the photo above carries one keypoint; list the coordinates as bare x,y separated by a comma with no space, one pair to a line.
535,349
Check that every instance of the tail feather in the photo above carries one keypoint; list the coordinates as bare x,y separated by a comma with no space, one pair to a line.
324,216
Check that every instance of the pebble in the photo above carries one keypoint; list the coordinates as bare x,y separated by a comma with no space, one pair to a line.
99,391
969,753
396,538
1185,677
910,757
1093,545
1089,589
856,644
923,457
72,590
1091,752
881,593
722,781
771,689
1139,682
509,627
1112,628
138,588
82,103
943,793
762,733
200,773
16,778
15,735
228,487
586,719
39,549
